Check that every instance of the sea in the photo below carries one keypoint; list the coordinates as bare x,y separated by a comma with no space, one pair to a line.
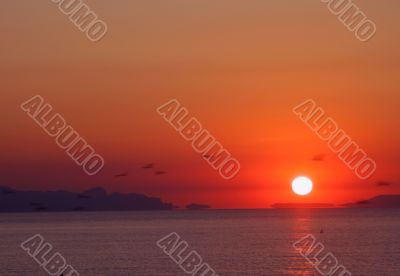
232,242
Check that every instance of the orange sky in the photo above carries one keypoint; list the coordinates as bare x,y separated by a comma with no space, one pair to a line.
239,67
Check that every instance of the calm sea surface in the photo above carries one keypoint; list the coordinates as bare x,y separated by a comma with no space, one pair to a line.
234,242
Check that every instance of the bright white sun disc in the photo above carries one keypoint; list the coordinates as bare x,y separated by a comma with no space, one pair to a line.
302,185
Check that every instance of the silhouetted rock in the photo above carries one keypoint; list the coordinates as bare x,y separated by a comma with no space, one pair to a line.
194,206
91,200
381,201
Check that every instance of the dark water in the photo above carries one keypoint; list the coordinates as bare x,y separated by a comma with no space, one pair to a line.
234,242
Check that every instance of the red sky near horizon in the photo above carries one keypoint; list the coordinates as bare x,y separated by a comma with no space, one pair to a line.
239,67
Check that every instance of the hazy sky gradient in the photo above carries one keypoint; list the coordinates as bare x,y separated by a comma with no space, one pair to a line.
238,66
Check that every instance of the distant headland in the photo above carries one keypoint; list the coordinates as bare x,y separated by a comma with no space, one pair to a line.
95,199
302,205
196,206
380,201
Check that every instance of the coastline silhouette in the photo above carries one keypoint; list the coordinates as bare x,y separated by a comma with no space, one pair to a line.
95,199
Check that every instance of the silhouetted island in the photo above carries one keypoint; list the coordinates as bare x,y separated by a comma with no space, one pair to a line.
95,199
194,206
302,205
380,201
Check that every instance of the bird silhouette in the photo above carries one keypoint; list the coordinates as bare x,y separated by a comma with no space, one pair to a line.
160,172
319,157
148,166
121,175
383,183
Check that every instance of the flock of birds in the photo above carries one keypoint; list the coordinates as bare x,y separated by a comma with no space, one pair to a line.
148,167
145,167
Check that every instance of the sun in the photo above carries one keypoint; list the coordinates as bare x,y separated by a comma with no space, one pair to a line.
302,185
